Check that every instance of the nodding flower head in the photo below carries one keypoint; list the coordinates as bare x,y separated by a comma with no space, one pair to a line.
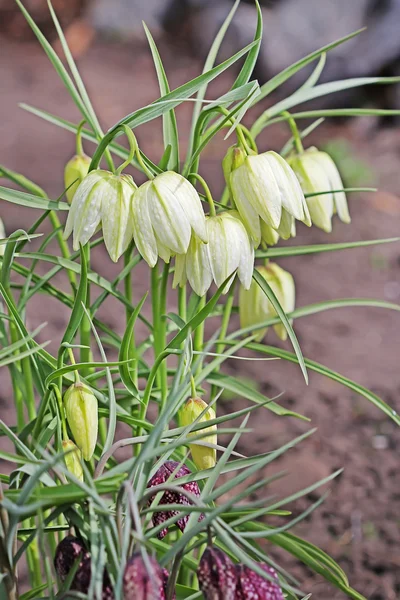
317,172
252,586
217,575
265,187
229,249
73,458
166,212
144,579
165,475
105,198
255,307
82,416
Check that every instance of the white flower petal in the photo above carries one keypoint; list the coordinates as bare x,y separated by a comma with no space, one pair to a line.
286,225
242,192
237,232
115,216
223,251
188,198
77,209
314,179
333,175
291,193
180,271
167,217
198,269
266,196
143,233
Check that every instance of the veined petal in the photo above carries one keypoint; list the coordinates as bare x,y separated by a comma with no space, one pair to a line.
223,250
163,251
79,200
115,216
292,195
88,215
180,271
241,191
143,233
314,179
286,225
188,198
339,198
167,217
198,269
269,235
237,232
266,197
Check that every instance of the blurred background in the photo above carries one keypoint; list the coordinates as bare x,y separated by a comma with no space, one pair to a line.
358,523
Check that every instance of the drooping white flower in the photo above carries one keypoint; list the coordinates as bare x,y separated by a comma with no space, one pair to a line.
229,249
166,211
104,198
317,172
263,186
254,306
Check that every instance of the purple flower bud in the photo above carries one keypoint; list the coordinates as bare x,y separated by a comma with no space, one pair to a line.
251,586
217,575
143,584
162,476
67,553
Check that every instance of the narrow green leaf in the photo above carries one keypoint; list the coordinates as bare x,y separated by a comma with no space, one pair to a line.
251,59
170,127
266,288
315,75
77,312
235,385
317,248
125,353
30,200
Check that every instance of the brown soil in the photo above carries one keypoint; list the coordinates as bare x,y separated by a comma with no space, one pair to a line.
359,523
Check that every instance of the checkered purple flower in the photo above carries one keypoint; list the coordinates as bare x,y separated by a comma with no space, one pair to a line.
163,475
142,583
251,586
217,575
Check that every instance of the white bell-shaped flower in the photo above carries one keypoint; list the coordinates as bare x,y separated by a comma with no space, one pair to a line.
229,249
104,198
262,187
317,172
166,211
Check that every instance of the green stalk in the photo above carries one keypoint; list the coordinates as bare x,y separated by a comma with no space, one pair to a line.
226,316
198,337
163,335
182,304
85,328
128,312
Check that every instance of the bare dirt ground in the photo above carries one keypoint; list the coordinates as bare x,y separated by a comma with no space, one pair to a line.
359,522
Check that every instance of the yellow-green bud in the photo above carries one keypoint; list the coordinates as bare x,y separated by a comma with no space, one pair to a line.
254,306
203,456
73,458
81,410
75,170
234,157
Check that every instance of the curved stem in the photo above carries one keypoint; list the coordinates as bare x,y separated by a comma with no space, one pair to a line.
132,149
207,192
79,149
295,132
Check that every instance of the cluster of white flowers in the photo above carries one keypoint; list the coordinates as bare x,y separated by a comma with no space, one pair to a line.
165,217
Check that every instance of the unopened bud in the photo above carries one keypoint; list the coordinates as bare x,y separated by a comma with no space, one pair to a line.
143,581
81,411
252,586
203,456
68,552
233,159
317,172
73,458
75,170
254,305
164,475
217,575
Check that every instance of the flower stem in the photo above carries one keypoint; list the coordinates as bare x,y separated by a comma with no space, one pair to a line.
295,132
226,315
79,149
207,192
182,305
85,329
198,336
128,313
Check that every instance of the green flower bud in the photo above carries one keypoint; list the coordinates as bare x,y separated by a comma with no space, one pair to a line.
166,212
2,237
262,187
75,170
317,172
81,411
234,157
203,456
73,458
106,198
254,306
